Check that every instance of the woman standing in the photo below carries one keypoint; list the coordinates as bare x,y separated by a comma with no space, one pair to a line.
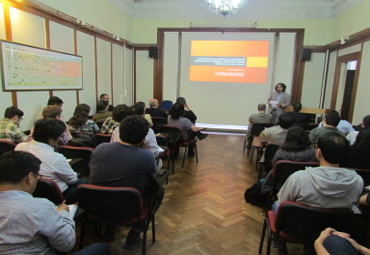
277,101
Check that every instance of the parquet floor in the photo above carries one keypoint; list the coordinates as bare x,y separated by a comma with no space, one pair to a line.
204,211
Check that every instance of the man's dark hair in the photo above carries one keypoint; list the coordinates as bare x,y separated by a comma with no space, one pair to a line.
12,111
15,165
120,112
177,111
102,95
333,146
332,119
261,107
48,128
136,109
55,101
102,105
133,129
366,121
286,120
297,107
282,85
181,100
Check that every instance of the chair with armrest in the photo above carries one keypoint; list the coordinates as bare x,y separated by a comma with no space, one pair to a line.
102,138
82,153
167,151
300,223
175,138
6,146
119,206
47,188
158,122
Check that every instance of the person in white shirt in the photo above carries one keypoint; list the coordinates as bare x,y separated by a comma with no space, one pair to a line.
343,126
351,137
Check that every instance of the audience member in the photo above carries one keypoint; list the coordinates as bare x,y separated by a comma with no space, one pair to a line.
329,124
119,113
190,130
146,116
343,125
359,153
351,137
154,110
277,134
51,101
126,164
277,101
105,97
9,126
103,112
326,186
31,225
54,166
189,114
301,119
261,116
80,122
55,112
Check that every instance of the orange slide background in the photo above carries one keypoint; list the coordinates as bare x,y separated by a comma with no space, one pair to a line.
255,52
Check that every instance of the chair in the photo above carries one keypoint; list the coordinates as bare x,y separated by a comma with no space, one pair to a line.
266,165
6,146
167,153
102,138
166,105
120,206
158,122
299,223
83,153
364,173
175,138
47,188
256,129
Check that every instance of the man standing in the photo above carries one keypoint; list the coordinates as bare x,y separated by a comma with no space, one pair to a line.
9,126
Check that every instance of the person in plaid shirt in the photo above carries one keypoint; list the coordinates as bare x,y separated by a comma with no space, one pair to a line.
119,113
9,126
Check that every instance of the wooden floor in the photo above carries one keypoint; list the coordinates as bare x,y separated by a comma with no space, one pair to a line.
204,211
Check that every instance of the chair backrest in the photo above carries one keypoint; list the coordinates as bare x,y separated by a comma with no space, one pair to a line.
6,146
282,169
111,205
47,188
257,128
81,153
173,134
270,151
102,138
166,105
158,122
303,223
364,173
99,123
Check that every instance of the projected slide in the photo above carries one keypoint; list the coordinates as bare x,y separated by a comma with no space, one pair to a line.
229,61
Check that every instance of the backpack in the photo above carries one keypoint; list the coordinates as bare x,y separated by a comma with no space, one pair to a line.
255,196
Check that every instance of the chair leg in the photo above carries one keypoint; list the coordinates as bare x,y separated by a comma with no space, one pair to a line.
173,165
262,237
252,152
143,249
269,236
245,143
82,234
153,229
183,159
196,152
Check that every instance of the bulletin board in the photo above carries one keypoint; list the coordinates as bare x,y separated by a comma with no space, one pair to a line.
25,67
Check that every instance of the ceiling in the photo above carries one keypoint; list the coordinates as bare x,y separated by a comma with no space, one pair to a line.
250,9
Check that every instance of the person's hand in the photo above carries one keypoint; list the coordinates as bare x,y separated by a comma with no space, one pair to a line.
63,206
187,107
278,104
324,234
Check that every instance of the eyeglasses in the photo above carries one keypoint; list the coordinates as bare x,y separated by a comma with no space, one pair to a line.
38,176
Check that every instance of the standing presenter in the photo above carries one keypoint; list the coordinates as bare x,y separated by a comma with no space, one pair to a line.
278,101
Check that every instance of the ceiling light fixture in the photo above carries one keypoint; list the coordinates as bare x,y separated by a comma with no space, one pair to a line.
223,7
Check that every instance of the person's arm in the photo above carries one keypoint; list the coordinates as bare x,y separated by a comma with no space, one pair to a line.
364,200
151,143
286,101
64,171
17,135
290,190
319,242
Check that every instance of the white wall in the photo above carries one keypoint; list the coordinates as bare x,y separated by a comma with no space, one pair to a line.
144,76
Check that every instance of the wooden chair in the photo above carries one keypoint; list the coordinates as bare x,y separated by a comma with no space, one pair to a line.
6,146
299,223
120,206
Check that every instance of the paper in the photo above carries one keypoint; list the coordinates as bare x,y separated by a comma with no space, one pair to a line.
274,103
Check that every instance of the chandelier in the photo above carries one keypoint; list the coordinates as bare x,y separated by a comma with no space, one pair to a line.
223,7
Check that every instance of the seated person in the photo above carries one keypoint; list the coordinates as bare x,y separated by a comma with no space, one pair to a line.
301,119
351,137
51,101
277,134
9,126
154,110
103,112
189,114
343,125
31,225
190,130
54,166
326,186
55,112
80,122
359,153
329,125
260,117
146,116
119,113
105,97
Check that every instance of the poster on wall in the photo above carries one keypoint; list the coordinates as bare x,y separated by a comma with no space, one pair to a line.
26,67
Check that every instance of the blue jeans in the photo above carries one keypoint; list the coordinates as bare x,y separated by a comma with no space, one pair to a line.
95,249
339,246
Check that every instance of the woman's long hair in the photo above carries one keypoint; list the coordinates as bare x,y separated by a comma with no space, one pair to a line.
80,116
296,139
362,143
177,111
